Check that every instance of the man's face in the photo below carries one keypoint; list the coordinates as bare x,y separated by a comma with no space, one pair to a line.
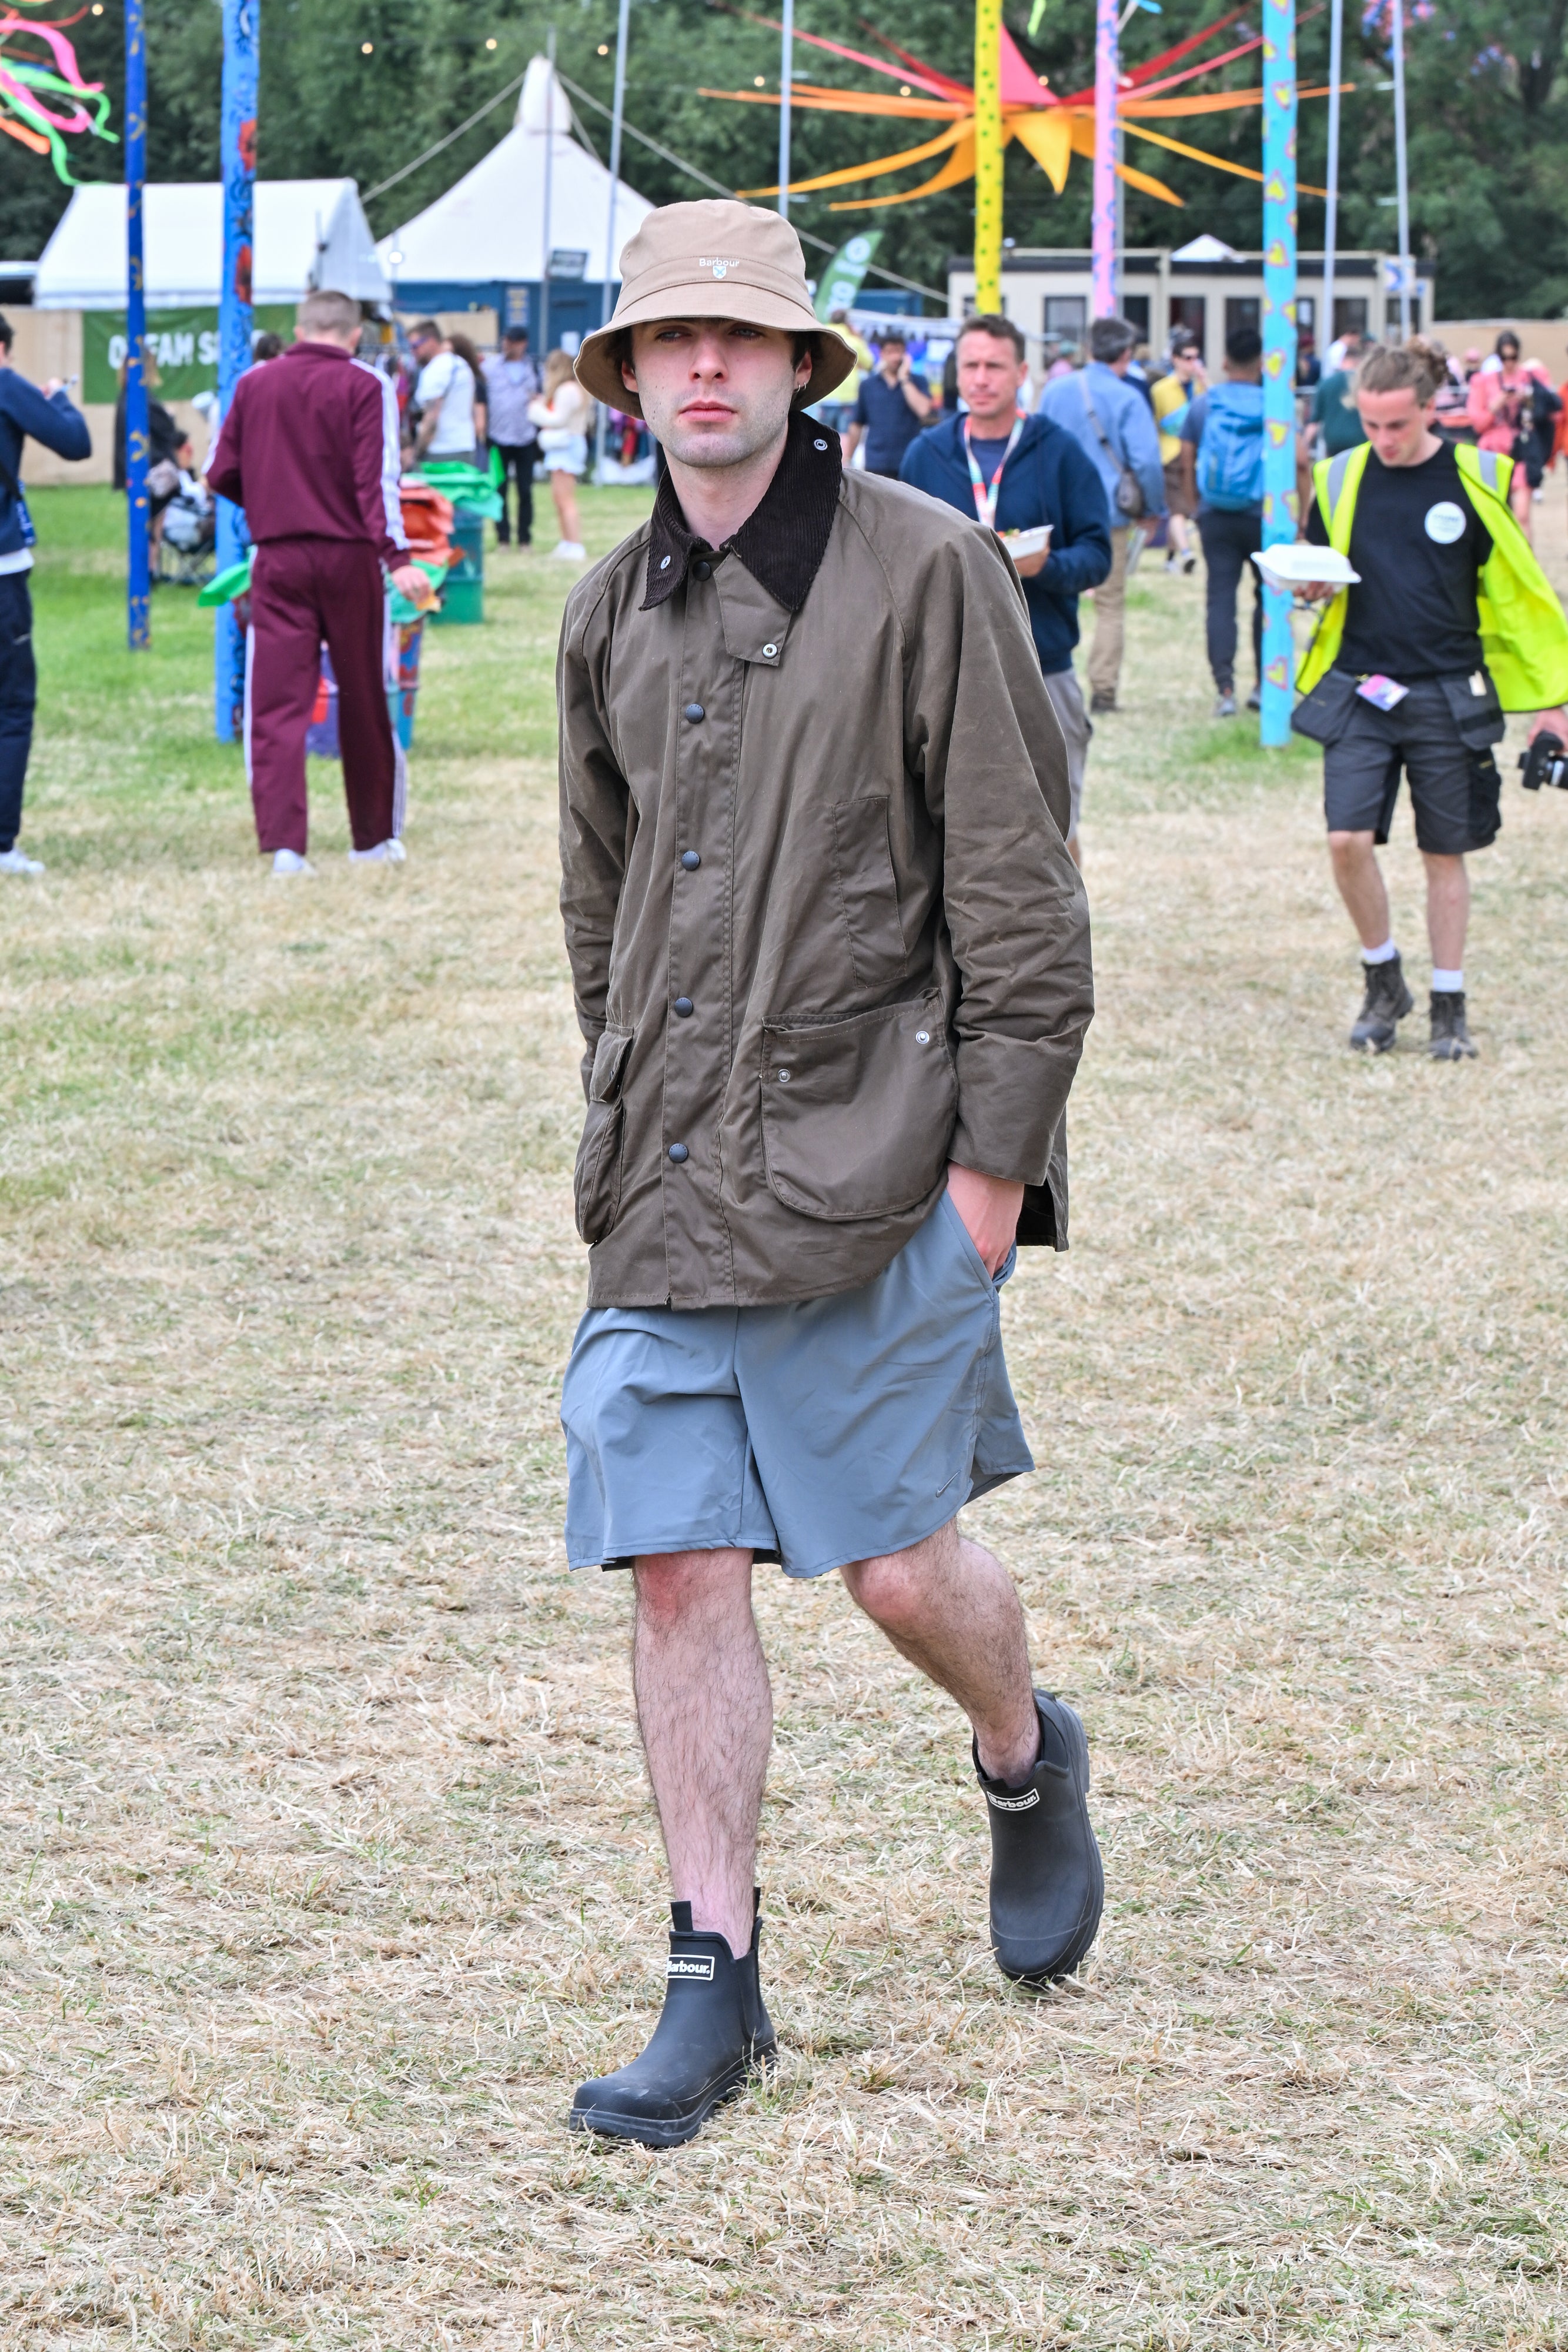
715,391
1396,424
990,375
893,354
1183,363
424,348
515,346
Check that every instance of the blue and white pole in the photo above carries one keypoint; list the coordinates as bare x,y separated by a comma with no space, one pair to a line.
1279,352
237,161
139,616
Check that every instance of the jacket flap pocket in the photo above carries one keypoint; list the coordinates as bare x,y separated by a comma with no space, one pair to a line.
608,1066
857,1115
754,624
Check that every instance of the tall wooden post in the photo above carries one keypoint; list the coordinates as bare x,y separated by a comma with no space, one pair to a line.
1279,352
237,161
137,572
988,154
1104,299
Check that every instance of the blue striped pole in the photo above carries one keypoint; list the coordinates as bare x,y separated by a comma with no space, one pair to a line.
1279,352
242,28
138,577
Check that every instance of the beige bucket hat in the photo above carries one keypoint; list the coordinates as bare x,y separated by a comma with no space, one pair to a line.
716,259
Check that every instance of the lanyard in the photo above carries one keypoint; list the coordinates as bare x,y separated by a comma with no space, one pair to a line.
986,493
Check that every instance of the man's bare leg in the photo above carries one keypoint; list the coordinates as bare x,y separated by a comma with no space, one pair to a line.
1448,909
1361,885
705,1710
949,1607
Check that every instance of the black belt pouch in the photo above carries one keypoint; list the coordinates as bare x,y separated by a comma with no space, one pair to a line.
1323,715
1478,717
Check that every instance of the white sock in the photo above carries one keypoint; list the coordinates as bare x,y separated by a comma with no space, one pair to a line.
1449,983
1384,954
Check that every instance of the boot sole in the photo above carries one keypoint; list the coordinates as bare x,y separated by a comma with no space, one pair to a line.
1089,1923
673,2131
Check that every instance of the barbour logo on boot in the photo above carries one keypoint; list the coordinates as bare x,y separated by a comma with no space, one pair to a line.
1016,1801
678,1965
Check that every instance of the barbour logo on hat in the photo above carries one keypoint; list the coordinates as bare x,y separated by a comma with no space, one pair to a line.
719,269
1019,1803
677,1965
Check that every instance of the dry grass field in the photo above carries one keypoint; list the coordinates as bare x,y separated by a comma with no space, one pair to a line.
326,1867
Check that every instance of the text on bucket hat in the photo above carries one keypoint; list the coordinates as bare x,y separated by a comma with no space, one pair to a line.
716,259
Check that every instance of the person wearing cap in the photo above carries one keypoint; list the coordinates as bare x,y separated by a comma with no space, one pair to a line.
831,961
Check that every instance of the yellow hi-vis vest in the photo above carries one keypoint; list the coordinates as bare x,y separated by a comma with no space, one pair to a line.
1523,634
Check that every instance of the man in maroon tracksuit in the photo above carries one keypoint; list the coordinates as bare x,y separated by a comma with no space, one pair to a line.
309,449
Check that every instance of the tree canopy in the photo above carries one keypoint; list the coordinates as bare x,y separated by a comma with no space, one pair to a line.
362,87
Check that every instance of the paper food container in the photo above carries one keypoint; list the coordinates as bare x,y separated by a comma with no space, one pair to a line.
1034,541
1297,564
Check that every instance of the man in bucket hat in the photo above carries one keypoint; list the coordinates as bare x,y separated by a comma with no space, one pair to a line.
831,963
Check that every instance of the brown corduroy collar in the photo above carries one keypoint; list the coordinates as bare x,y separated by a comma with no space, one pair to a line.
782,543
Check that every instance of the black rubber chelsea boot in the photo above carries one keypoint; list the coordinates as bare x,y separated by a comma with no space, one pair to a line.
713,2035
1048,1888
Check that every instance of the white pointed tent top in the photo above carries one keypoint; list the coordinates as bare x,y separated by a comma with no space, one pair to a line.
307,233
1207,248
490,225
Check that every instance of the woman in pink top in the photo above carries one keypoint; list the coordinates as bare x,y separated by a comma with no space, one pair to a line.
1499,405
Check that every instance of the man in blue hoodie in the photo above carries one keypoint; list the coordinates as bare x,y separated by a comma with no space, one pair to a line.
50,418
1013,473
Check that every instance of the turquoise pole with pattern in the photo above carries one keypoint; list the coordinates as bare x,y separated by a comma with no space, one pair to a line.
1279,353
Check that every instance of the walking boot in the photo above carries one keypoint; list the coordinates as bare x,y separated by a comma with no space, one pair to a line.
1384,1005
713,2035
1451,1039
1048,1888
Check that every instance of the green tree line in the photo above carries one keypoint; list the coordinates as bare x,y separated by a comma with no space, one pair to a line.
362,87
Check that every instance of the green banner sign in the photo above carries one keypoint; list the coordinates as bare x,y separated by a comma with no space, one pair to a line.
182,344
841,278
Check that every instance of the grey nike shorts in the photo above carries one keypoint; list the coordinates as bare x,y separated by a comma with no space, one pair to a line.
815,1434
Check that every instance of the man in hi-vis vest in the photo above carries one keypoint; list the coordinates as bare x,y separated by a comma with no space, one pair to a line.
1452,623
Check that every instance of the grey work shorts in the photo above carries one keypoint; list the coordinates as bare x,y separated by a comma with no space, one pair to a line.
814,1433
1067,700
1455,788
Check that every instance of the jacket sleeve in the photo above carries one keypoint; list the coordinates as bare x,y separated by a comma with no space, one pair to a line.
51,420
981,736
378,464
225,466
1081,544
596,812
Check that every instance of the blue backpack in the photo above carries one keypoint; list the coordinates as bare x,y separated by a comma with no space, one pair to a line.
1230,454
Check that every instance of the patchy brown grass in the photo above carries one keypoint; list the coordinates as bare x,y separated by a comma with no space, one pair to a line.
327,1866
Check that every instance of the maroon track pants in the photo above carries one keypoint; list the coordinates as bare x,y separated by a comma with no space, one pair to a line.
305,591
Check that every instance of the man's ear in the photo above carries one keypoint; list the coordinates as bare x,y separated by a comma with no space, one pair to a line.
627,376
807,362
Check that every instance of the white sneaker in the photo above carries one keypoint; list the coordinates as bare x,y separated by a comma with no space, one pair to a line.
288,861
570,551
385,853
15,860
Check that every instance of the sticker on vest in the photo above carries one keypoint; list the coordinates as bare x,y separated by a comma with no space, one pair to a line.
1382,692
1445,522
699,1972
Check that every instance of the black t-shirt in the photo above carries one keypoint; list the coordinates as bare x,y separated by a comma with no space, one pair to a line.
1419,545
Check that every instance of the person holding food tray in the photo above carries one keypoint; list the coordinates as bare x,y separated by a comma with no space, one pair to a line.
1031,482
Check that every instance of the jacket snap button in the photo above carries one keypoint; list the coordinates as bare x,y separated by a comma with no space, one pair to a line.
690,860
703,571
922,1036
678,1153
694,711
664,562
769,652
783,1077
683,1007
819,444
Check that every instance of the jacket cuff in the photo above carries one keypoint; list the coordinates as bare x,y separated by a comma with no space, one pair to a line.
1011,1096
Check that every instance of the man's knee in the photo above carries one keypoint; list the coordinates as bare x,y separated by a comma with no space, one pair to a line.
675,1586
1351,848
894,1590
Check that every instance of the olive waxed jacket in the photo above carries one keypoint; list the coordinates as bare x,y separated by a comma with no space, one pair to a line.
824,930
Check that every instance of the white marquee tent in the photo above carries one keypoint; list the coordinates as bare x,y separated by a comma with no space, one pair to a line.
307,233
491,227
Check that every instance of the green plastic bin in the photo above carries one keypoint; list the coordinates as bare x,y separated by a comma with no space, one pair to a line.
465,598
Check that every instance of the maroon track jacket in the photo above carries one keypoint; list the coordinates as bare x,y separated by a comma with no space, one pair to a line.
309,449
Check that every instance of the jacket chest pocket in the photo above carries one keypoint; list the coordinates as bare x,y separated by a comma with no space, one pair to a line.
596,1182
868,895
